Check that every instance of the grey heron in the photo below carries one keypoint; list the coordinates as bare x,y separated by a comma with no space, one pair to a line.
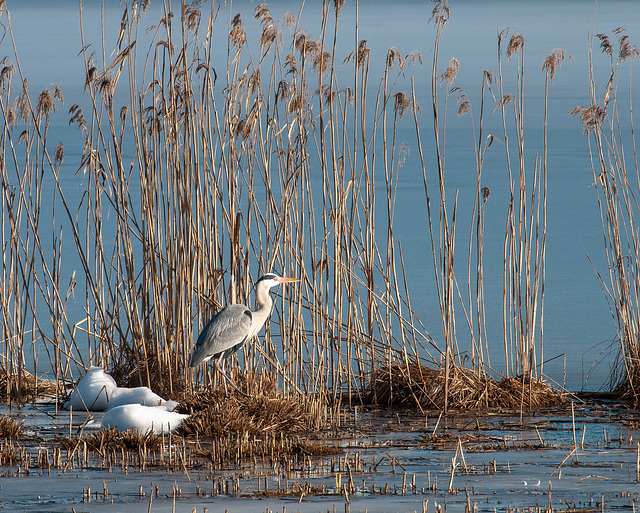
233,326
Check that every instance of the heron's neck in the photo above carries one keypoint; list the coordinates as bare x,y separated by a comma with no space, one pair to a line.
265,303
259,317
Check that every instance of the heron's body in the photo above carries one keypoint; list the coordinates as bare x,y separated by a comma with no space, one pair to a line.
233,326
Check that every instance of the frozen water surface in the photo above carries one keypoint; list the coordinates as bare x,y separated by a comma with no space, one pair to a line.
393,460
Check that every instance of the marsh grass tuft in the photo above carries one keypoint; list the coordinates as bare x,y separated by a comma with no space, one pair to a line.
10,428
26,387
109,440
424,387
263,410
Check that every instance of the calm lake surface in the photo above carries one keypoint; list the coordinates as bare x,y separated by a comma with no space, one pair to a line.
579,331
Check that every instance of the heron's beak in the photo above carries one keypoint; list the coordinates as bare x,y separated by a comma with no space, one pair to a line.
288,280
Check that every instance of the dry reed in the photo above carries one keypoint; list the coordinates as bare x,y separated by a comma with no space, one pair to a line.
261,410
617,182
214,172
419,386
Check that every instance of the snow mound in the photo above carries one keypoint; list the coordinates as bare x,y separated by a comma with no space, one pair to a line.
93,391
145,419
97,391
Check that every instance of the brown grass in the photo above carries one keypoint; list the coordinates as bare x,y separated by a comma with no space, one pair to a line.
416,385
112,439
10,428
263,410
23,387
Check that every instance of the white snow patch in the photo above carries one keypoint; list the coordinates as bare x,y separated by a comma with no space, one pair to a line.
97,391
93,391
144,419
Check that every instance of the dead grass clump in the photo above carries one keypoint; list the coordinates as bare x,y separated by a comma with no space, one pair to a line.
107,440
10,456
263,410
23,386
10,428
273,446
416,385
628,388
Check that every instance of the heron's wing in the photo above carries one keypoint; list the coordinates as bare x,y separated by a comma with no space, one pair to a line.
226,331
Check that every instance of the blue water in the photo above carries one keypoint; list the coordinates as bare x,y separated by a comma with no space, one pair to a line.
578,326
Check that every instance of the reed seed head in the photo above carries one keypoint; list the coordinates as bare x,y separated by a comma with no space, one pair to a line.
625,49
263,13
283,91
349,95
516,43
123,113
440,13
106,86
321,61
306,45
289,19
91,75
329,94
6,74
77,116
58,154
254,81
489,77
605,44
45,103
237,35
414,57
268,36
192,15
393,56
401,104
451,72
297,104
269,33
464,105
592,117
363,54
503,102
166,20
553,61
360,55
290,64
140,7
21,104
11,117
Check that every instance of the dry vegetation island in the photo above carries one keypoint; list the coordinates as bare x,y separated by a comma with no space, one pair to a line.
215,167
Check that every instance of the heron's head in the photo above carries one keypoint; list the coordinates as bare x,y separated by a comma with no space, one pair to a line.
271,280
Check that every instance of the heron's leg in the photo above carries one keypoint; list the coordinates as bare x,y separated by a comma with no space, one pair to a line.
220,363
220,368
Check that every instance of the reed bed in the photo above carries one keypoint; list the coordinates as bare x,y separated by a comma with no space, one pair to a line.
201,171
608,123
